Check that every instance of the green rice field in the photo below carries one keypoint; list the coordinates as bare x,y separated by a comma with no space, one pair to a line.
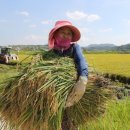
110,63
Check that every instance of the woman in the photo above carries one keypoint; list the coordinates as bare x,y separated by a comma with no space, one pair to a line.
62,39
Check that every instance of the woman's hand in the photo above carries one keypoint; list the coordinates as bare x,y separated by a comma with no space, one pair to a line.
77,91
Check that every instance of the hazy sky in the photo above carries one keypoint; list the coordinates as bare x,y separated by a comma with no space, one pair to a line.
29,21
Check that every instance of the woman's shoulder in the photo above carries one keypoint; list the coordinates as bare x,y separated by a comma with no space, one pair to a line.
75,45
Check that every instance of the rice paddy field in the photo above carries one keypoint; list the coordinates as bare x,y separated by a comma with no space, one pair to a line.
117,116
110,63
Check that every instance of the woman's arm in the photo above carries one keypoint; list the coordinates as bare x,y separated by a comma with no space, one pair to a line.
82,69
81,63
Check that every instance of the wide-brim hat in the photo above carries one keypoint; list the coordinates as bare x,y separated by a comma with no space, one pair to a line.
59,24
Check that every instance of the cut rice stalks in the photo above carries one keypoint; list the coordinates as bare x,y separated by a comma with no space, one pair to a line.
35,99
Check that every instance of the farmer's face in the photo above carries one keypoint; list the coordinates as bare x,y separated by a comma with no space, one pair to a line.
65,33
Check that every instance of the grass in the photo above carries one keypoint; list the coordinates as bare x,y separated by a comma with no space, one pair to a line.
110,63
117,117
7,71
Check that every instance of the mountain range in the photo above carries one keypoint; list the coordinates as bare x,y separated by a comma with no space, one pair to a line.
108,47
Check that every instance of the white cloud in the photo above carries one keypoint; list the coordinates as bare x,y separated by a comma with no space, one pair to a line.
106,30
78,15
93,17
33,26
46,22
24,13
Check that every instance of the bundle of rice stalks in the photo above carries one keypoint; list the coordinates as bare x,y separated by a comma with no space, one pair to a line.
35,99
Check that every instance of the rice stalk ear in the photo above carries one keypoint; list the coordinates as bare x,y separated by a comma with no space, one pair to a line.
35,99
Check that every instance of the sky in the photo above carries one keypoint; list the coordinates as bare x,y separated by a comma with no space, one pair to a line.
30,21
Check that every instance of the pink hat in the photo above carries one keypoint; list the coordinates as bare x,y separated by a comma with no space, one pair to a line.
59,24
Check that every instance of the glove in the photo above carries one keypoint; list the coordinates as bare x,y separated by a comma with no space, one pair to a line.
77,91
